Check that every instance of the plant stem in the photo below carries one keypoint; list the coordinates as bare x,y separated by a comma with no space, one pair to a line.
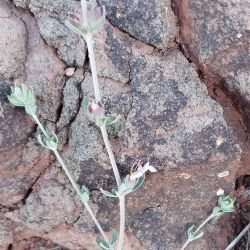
185,245
40,125
203,224
122,222
84,11
111,155
59,158
196,232
91,54
235,241
71,179
89,42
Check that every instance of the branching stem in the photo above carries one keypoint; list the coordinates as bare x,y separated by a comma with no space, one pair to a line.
197,231
89,42
71,179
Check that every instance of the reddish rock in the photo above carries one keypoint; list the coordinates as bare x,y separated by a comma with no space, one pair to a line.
215,35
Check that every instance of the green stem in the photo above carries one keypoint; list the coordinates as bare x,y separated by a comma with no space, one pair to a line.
122,222
76,187
185,245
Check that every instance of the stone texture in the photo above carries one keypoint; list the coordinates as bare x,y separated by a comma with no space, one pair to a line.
12,44
50,16
167,119
217,40
22,159
44,72
152,22
113,53
169,110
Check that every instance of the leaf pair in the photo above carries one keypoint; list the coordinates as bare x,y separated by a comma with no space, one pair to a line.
107,246
50,143
22,96
84,194
226,205
126,187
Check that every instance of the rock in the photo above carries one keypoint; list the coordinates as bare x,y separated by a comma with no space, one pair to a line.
113,52
167,119
51,16
152,22
170,108
71,99
12,44
217,40
70,47
20,159
44,72
69,72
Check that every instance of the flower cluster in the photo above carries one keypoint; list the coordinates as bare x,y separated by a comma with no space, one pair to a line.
94,21
96,113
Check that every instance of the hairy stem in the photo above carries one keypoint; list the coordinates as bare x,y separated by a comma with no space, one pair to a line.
122,222
91,54
59,158
84,12
203,224
71,179
89,42
185,245
111,155
197,231
40,125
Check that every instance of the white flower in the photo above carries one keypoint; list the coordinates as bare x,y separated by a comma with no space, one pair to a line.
220,192
141,171
147,167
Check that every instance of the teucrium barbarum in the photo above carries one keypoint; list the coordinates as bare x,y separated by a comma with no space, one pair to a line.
225,205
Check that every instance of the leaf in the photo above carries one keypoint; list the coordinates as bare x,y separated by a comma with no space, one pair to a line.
198,236
113,120
190,232
73,28
14,101
85,102
139,182
84,194
114,236
107,193
102,243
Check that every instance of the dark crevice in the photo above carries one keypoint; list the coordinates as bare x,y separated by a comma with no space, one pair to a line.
10,247
30,189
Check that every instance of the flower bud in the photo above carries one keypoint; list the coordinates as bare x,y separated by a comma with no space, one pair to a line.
75,19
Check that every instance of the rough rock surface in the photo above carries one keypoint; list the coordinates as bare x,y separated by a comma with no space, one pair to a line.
168,119
152,22
217,38
12,44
